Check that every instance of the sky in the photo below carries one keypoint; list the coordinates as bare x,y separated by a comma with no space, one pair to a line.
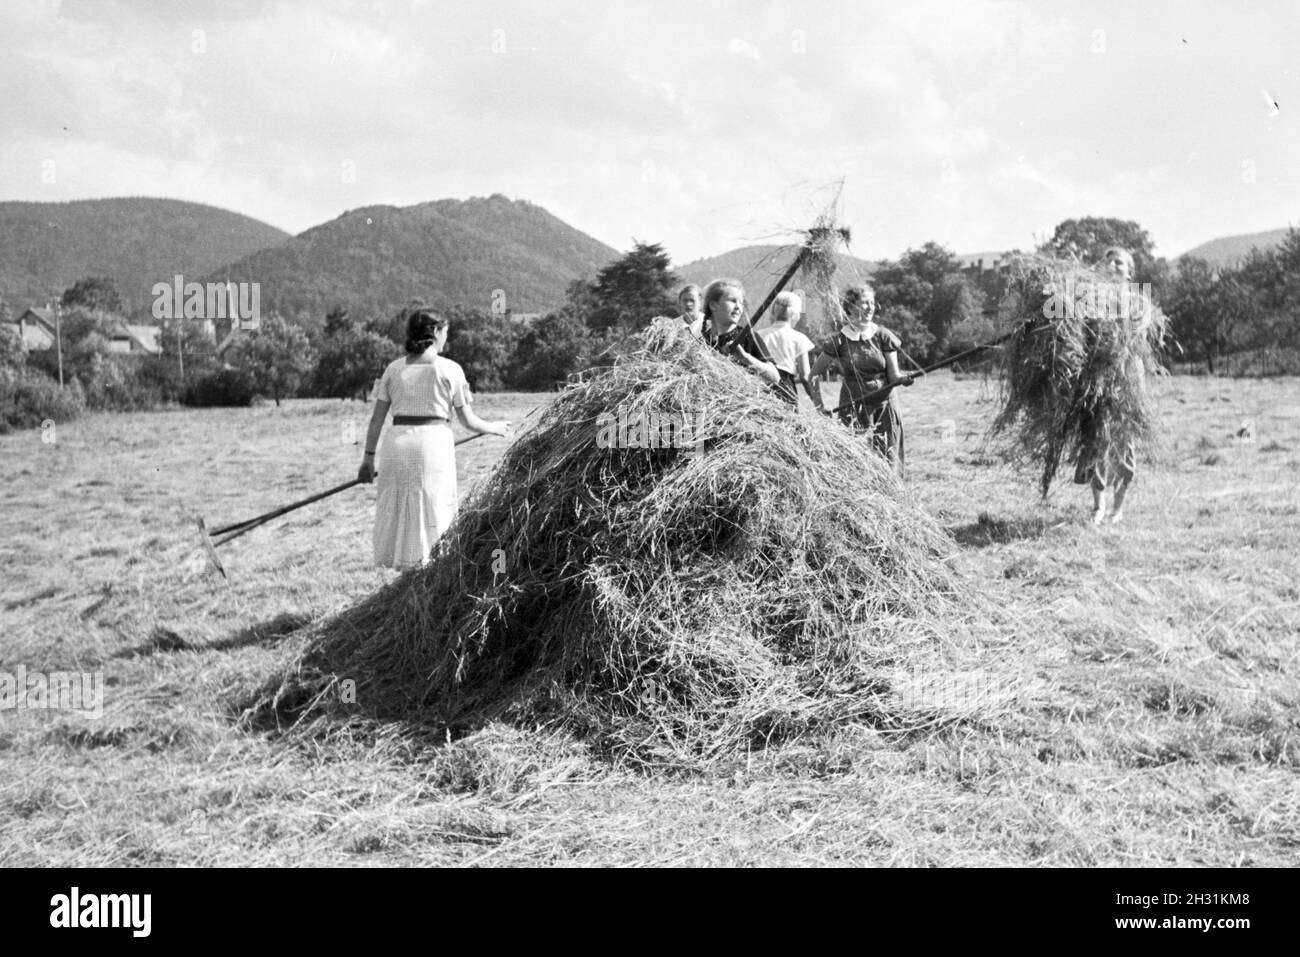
699,125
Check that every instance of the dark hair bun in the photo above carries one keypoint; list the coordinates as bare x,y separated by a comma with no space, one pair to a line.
422,329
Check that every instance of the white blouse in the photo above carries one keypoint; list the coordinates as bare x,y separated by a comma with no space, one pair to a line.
424,388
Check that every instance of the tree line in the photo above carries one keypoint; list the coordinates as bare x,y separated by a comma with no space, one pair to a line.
1239,319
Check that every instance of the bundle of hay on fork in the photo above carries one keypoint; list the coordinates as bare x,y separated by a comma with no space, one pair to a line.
669,564
1076,374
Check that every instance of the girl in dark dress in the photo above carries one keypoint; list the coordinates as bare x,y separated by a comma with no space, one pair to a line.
866,355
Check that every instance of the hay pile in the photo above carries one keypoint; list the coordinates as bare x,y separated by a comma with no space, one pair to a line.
1076,376
671,605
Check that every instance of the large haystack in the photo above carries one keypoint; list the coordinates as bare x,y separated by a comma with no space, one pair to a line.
1077,373
672,604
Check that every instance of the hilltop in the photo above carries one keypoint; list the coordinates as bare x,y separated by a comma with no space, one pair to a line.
374,260
136,241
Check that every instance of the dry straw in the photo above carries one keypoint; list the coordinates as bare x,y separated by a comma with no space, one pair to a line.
1076,376
671,605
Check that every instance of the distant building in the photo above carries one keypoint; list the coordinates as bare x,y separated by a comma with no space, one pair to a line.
129,339
36,328
39,329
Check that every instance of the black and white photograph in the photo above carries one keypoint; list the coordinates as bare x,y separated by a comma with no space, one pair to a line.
651,434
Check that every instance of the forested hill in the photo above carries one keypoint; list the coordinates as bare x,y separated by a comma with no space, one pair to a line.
375,260
759,267
135,241
1230,250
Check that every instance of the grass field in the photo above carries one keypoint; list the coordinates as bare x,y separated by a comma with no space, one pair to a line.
1162,724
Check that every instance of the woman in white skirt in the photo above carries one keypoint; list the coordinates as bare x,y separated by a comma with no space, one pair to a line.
417,492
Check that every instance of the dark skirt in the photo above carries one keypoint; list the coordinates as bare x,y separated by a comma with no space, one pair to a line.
879,420
1105,468
1103,464
787,388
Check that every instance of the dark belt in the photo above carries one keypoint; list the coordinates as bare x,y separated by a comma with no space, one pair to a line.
416,419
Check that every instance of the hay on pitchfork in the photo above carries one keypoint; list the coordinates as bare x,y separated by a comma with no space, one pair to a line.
758,579
1077,374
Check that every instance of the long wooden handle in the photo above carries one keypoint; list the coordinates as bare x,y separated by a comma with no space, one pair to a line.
241,527
879,394
776,290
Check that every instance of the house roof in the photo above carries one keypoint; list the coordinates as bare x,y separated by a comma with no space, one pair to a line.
146,336
44,316
34,335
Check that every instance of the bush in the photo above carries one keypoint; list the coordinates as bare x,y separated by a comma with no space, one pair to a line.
28,398
161,375
221,387
277,358
13,353
350,362
114,384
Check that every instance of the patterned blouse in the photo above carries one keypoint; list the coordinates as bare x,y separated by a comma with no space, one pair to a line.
424,388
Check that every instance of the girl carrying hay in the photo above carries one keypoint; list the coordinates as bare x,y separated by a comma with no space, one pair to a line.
1074,377
1102,464
788,348
867,357
724,302
417,493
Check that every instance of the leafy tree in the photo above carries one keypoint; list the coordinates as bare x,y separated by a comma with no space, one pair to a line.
483,345
94,293
628,292
1210,311
1090,236
558,345
923,296
350,361
338,320
188,336
277,357
916,337
13,354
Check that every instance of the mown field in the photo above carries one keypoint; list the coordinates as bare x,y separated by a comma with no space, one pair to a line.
1162,724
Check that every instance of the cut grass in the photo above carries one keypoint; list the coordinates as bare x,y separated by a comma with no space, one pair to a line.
1159,727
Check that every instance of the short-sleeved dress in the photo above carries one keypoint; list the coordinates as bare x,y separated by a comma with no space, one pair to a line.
861,361
417,492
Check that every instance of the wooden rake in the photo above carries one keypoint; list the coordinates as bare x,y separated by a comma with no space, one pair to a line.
215,538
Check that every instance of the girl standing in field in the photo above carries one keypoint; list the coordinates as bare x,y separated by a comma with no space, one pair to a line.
724,303
788,348
867,358
417,494
1101,464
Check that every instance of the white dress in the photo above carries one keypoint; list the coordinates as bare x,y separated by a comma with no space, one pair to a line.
416,484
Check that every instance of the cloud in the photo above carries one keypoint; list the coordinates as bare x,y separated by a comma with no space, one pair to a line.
702,126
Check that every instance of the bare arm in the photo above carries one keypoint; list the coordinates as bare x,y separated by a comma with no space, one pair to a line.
471,421
367,470
803,370
891,370
766,370
819,367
